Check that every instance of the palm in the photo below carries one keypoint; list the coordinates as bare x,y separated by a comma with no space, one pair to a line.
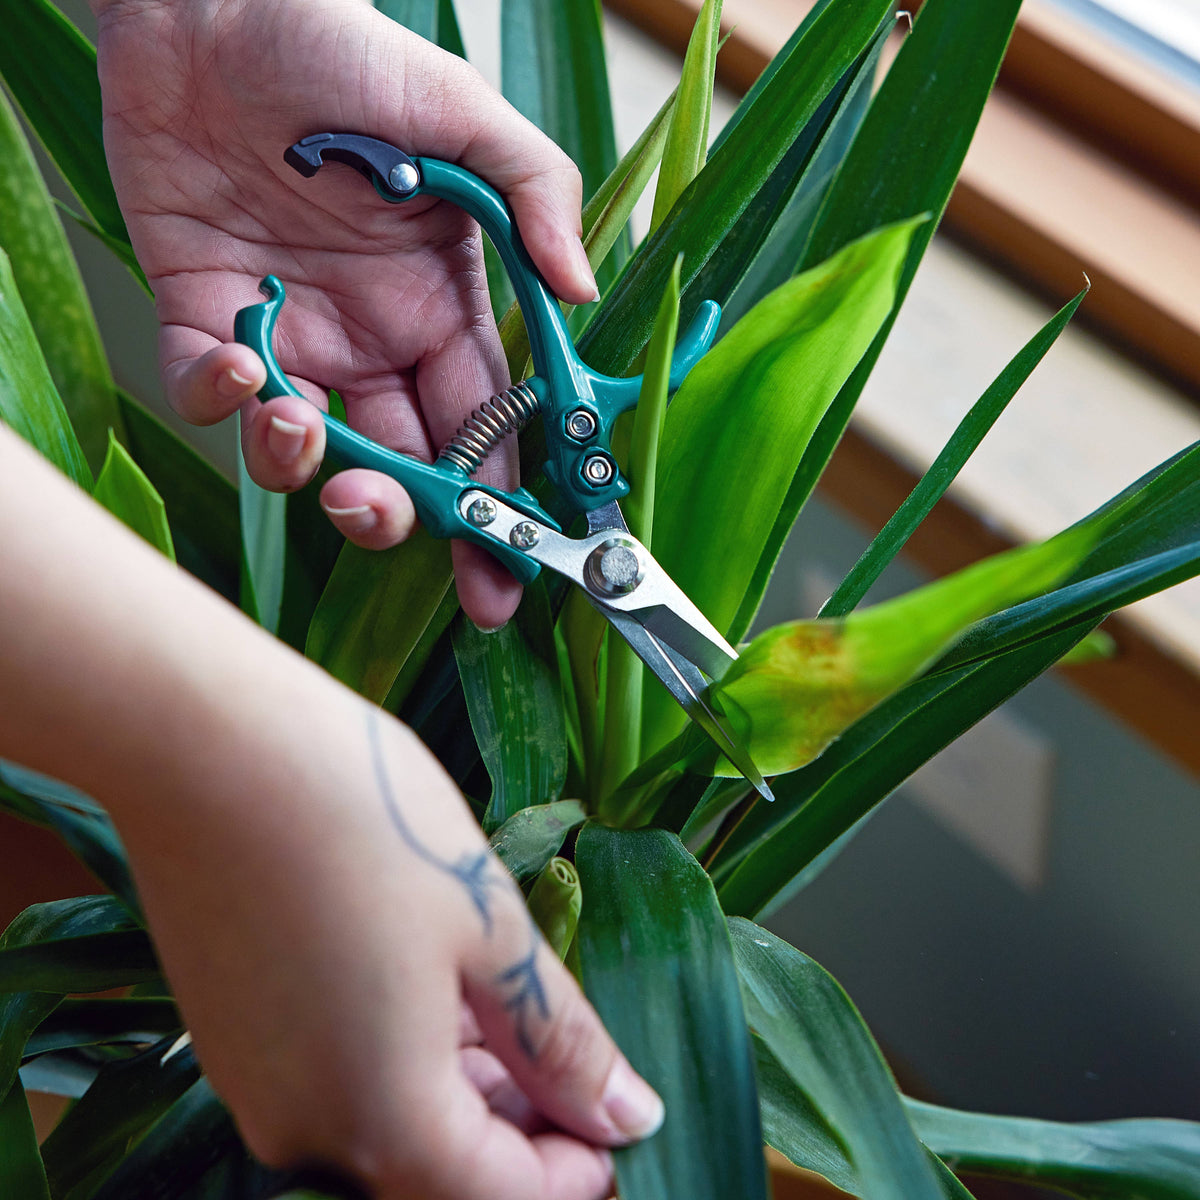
386,304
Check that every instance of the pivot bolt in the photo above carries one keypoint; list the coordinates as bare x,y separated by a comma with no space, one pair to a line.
581,425
599,469
614,568
481,512
523,535
403,177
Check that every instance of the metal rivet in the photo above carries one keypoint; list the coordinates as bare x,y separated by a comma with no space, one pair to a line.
403,177
523,535
481,512
581,425
614,568
598,469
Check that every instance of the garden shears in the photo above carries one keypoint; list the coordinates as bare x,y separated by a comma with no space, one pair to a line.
579,406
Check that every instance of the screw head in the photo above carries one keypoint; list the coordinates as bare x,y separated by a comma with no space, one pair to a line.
403,177
614,568
523,535
481,512
580,425
598,469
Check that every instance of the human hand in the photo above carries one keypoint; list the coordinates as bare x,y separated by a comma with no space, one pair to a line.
366,991
386,304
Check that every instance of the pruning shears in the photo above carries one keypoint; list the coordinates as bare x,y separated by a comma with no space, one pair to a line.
579,406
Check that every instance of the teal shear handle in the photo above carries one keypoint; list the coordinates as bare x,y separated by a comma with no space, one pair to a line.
435,488
579,405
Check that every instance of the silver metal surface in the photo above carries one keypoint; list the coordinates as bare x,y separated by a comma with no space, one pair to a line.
664,628
403,177
581,425
489,425
614,568
598,469
481,512
524,535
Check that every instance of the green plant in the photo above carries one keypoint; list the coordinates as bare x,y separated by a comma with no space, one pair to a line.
644,860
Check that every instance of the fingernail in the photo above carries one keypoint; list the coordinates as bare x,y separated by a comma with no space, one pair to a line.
231,383
586,268
358,519
632,1105
489,628
286,439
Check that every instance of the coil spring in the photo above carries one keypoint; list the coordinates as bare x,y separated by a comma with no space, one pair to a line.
489,425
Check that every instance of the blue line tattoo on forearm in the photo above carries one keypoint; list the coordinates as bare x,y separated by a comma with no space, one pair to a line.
478,875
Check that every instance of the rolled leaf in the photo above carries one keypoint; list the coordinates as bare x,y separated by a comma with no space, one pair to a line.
510,680
657,964
122,487
50,284
798,686
819,1039
531,837
687,138
264,543
29,402
555,902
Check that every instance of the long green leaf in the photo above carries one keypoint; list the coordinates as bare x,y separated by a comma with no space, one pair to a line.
264,548
202,505
49,281
733,176
962,444
657,964
764,248
126,1097
794,1127
687,138
817,804
820,1040
21,1173
375,609
106,1022
510,679
552,70
799,685
29,401
740,423
90,962
32,994
904,160
81,823
122,487
50,68
1101,1160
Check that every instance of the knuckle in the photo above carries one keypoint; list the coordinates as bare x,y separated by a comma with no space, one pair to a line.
565,1047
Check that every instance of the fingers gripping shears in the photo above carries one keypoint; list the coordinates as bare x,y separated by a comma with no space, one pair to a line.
617,574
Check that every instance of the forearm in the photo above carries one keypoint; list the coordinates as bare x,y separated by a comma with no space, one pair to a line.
127,677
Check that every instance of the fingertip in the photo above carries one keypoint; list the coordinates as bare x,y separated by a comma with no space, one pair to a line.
283,442
369,509
209,388
487,591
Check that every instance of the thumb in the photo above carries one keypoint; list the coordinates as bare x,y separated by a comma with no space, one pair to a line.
536,1020
446,109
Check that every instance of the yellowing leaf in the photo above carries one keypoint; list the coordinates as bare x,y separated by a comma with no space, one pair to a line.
797,686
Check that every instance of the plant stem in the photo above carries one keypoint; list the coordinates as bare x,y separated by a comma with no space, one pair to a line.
621,748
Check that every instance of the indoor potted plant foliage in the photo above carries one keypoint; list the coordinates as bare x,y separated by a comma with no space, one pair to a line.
644,860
